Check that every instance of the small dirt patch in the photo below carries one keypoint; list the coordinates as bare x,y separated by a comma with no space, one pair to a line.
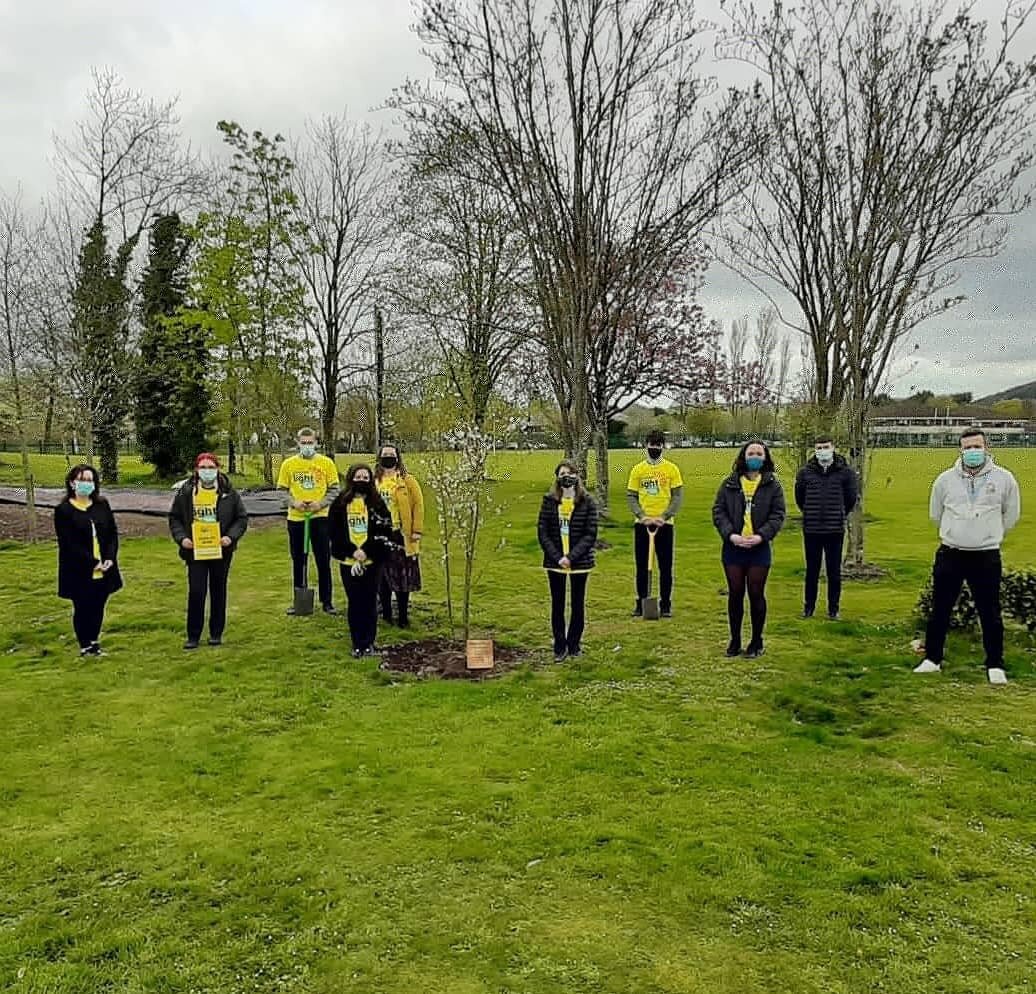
446,658
864,572
14,524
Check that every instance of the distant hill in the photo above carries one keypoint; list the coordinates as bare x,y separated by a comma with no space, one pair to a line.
1027,391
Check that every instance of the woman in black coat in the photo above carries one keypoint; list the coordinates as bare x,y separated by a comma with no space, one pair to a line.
748,513
207,497
88,555
567,532
359,528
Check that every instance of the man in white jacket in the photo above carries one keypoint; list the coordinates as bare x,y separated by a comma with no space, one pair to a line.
974,504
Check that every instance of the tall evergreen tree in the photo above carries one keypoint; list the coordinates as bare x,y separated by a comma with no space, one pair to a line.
100,323
172,397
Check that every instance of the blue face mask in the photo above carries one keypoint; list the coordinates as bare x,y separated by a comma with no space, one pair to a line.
974,458
84,488
207,475
307,451
754,463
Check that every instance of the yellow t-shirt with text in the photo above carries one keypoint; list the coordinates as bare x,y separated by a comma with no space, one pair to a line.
387,487
307,479
205,504
654,485
357,522
748,488
565,520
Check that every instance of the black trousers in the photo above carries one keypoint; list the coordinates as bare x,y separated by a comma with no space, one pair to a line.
362,592
567,641
207,576
982,571
321,548
827,548
88,613
664,541
402,601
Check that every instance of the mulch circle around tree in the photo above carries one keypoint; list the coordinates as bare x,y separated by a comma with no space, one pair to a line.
446,658
863,572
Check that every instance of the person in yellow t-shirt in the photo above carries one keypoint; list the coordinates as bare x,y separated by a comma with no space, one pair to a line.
311,483
88,552
748,513
567,532
654,494
360,533
403,496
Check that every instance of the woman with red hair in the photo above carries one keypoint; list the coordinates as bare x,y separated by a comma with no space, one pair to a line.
207,520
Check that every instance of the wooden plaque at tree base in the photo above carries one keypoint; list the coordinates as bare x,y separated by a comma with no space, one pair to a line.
480,654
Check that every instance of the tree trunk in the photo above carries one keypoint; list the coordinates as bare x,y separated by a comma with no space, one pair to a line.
601,466
858,461
48,419
267,463
379,380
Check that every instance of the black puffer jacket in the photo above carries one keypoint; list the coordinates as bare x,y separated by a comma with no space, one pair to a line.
825,498
230,513
768,508
582,532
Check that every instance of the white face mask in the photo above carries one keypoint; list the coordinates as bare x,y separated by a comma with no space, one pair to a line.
825,456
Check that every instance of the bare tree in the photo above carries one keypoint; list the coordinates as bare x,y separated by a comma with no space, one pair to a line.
341,181
124,162
900,135
463,271
20,237
651,342
590,118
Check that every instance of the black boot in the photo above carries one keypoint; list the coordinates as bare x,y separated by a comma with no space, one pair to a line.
638,609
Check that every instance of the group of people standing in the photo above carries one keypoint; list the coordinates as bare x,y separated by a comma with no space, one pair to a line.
372,525
975,504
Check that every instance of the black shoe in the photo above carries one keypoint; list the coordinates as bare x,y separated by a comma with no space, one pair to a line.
371,650
290,612
832,615
96,650
85,651
807,612
734,649
215,640
404,621
330,609
575,653
560,655
667,611
357,653
638,610
191,644
754,650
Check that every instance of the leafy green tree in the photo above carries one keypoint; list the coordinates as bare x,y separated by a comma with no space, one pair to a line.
173,406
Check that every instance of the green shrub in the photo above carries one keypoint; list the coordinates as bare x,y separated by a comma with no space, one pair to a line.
1017,594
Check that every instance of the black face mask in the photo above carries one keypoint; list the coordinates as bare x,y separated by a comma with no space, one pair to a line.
361,487
389,462
568,481
654,453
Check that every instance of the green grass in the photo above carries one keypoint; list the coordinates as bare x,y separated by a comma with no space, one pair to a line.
274,816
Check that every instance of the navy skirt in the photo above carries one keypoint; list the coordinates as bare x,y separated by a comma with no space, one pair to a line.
760,555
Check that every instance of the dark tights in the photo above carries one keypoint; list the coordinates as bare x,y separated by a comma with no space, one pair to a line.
752,579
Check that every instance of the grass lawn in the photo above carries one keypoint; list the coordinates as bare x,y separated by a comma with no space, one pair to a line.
274,816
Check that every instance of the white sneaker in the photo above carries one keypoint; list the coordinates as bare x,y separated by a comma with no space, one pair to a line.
928,667
996,675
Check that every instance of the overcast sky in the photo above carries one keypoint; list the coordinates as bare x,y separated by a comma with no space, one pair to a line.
271,63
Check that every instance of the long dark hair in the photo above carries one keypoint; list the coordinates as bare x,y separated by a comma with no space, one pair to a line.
555,491
741,466
379,470
372,498
70,491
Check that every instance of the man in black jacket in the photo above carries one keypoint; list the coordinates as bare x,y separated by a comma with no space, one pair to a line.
825,492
